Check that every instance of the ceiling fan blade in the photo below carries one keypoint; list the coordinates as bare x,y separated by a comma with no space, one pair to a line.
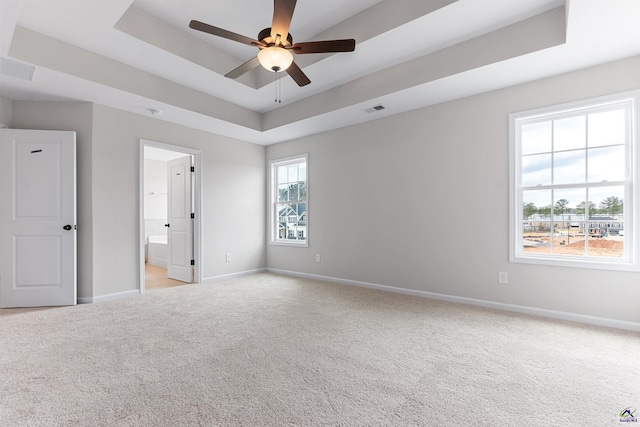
347,45
282,14
247,66
201,26
298,75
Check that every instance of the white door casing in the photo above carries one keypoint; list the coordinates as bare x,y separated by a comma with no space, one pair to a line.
179,232
37,218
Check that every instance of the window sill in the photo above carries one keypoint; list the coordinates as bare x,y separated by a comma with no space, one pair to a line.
298,244
600,264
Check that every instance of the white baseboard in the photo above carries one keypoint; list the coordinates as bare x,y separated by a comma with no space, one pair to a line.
209,280
126,294
572,317
108,297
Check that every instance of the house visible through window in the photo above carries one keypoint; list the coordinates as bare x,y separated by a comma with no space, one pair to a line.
289,201
573,185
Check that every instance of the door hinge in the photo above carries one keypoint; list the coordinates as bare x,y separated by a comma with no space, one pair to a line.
193,262
193,215
193,168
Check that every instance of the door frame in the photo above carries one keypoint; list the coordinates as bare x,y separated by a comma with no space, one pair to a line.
197,200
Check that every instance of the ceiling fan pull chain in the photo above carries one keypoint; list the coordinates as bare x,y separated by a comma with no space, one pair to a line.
278,86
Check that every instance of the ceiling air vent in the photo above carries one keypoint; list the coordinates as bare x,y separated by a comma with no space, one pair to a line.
374,109
16,69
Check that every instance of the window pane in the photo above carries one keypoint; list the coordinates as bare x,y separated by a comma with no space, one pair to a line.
606,164
283,193
569,134
536,237
302,223
302,171
606,224
536,138
292,231
536,170
282,175
540,200
569,167
536,225
293,173
608,201
293,192
607,128
302,188
602,243
568,237
281,210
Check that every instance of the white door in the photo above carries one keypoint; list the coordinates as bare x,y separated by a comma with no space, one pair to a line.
179,220
37,218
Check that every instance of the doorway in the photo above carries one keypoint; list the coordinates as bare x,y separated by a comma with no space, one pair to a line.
169,256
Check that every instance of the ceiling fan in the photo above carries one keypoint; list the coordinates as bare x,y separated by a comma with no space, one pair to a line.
276,44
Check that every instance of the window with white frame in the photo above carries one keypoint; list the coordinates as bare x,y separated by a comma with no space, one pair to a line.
573,183
289,201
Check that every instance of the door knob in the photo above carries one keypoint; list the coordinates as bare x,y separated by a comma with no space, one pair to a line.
67,227
167,225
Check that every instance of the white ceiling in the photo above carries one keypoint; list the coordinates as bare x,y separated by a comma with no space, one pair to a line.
138,55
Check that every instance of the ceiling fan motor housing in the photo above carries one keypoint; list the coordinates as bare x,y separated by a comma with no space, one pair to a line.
265,37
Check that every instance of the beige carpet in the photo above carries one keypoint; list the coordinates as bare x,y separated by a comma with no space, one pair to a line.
273,350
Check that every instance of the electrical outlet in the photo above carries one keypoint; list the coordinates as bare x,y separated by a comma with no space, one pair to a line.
227,257
503,277
317,257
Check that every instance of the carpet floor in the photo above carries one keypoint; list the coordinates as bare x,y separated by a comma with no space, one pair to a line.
273,350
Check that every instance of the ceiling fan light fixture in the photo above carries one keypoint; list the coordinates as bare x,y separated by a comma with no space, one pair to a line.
275,58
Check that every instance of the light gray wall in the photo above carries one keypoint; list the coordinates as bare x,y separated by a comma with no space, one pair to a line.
420,201
6,111
78,117
233,211
108,157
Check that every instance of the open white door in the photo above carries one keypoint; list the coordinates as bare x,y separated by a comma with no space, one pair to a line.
180,235
37,218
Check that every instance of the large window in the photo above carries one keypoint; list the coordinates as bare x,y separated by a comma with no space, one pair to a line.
289,201
574,184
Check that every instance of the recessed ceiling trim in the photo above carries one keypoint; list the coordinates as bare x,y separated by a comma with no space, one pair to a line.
142,25
47,52
540,32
